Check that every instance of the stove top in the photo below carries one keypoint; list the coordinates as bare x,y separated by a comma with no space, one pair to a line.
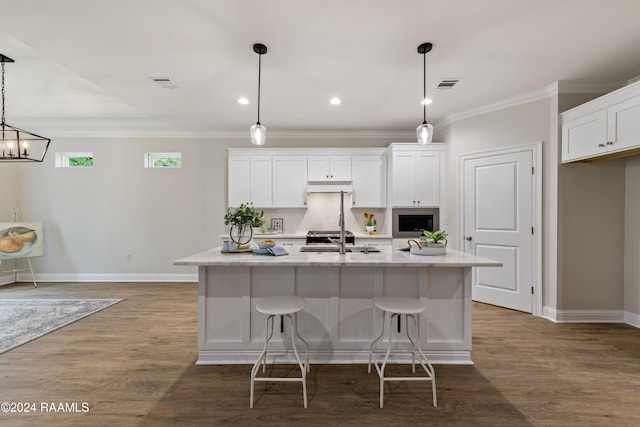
325,236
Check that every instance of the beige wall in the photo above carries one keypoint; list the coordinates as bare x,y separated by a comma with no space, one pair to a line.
93,217
632,239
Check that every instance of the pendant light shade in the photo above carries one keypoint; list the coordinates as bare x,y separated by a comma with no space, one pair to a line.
257,131
17,144
425,133
258,134
425,130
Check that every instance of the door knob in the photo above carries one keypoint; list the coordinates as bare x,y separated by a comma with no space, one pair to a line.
469,238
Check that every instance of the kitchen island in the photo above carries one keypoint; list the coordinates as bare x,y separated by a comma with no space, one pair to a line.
339,320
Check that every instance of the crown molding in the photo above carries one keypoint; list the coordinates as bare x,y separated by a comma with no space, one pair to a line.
555,88
392,135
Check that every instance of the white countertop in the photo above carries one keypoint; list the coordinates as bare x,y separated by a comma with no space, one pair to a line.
387,257
276,236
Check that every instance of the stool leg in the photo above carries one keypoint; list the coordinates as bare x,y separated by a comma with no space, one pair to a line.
263,356
386,357
303,369
428,367
413,344
375,341
306,345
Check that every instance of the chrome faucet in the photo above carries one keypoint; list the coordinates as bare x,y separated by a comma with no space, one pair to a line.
342,243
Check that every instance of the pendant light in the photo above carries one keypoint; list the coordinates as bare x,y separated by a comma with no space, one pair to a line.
425,130
17,144
257,131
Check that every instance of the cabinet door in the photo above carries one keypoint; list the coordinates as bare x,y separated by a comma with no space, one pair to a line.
340,168
239,188
404,181
428,179
329,168
289,181
585,136
624,125
249,181
260,181
318,168
369,181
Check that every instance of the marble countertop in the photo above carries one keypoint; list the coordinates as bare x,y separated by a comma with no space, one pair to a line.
387,257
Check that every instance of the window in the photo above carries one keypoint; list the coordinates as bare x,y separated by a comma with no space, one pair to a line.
163,160
74,160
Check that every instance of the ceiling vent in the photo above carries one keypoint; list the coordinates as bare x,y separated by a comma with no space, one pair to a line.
164,82
448,83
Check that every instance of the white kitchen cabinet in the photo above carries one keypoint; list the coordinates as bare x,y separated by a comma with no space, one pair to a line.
289,181
416,178
250,181
329,168
369,181
605,127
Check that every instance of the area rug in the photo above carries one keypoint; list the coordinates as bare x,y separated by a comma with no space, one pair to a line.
23,320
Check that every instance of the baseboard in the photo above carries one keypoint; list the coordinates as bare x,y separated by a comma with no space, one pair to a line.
632,319
584,316
109,277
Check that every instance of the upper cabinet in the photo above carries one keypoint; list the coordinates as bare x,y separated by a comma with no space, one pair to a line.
329,168
289,181
416,176
369,175
605,127
249,181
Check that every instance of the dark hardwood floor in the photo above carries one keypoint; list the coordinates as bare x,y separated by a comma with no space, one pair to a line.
133,364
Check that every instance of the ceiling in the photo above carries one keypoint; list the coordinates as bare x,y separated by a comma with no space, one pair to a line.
86,67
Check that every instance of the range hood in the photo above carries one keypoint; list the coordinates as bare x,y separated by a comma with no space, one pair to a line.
329,187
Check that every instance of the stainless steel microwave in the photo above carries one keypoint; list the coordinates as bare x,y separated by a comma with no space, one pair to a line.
410,222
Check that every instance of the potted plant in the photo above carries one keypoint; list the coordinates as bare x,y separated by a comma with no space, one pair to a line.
242,220
434,238
431,243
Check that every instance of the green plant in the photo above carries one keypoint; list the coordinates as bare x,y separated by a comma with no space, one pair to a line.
243,215
436,236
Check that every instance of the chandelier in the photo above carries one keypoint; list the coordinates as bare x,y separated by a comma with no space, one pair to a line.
17,144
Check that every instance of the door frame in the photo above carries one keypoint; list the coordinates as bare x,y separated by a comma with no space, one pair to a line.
536,154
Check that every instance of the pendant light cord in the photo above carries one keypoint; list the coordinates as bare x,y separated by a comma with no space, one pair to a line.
2,92
259,72
424,91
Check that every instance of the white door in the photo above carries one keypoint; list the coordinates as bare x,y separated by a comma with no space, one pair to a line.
498,199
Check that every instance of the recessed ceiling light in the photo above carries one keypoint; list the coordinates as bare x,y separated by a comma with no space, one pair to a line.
427,101
243,101
335,101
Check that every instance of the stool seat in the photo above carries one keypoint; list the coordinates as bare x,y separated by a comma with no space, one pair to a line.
281,305
400,305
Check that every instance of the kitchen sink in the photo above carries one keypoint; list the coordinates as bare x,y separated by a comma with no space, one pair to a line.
335,249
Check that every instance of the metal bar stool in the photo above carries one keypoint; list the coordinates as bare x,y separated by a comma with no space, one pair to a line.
287,306
411,308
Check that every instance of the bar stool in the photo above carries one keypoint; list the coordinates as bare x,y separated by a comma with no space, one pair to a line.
411,308
287,306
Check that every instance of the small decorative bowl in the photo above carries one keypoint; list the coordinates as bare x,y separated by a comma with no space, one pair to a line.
264,244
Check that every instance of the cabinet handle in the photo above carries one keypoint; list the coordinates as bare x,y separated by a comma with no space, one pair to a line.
469,238
601,145
610,142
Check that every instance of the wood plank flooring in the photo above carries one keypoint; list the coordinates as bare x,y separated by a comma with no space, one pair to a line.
133,364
